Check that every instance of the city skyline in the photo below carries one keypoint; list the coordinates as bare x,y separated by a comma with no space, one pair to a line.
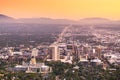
61,9
59,40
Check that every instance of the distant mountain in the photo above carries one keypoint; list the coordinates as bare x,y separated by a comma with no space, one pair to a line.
66,21
95,21
47,21
117,22
91,21
6,19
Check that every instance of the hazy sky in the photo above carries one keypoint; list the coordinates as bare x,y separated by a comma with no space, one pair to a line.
71,9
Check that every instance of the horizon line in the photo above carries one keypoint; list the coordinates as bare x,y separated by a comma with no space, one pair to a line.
60,18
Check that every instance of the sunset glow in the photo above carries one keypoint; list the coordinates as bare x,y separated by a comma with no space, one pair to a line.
70,9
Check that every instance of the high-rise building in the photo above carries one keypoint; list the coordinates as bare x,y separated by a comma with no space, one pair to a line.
34,52
54,51
93,51
98,50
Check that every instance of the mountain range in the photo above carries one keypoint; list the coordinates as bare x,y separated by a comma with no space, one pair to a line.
94,20
6,19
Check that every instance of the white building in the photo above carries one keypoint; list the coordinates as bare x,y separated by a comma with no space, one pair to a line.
33,67
34,52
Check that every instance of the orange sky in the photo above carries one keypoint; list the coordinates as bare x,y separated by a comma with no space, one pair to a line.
71,9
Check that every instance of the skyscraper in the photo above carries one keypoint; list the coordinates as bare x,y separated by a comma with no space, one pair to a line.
54,51
34,52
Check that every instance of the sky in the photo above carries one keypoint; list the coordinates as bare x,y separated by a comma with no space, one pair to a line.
69,9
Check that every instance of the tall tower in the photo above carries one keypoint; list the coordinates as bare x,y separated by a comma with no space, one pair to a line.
34,52
98,50
54,51
93,52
